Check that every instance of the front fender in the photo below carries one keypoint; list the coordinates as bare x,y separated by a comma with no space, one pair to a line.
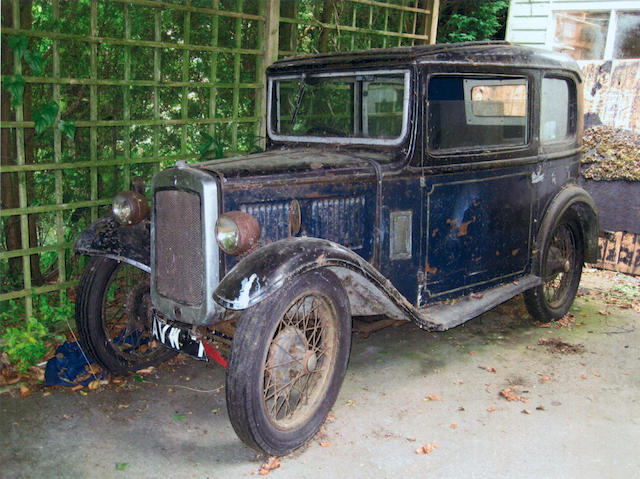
106,237
266,270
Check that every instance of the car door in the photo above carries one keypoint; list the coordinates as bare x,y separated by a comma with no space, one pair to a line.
477,181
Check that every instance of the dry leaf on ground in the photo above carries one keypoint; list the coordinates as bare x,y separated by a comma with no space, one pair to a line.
433,397
427,448
269,465
509,395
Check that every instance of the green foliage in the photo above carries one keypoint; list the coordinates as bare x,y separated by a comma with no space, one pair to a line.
15,86
34,60
45,116
19,45
68,128
26,341
471,20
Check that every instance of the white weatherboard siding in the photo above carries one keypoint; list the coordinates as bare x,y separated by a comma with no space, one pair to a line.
611,86
530,22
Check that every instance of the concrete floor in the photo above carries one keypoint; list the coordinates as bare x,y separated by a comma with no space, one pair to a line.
581,418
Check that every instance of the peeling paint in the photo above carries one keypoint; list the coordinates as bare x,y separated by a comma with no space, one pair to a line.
537,176
242,301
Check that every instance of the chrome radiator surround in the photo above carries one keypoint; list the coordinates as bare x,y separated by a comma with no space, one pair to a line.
194,181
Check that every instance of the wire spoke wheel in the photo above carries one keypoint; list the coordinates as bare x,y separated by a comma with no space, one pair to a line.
288,359
114,314
559,265
300,358
560,270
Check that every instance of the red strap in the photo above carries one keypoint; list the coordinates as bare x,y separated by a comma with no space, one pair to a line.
214,354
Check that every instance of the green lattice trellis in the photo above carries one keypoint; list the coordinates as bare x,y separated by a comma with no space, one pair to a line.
143,80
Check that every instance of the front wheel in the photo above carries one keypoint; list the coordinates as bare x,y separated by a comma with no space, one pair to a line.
288,359
113,316
560,270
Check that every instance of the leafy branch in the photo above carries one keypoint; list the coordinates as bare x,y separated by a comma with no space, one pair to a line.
46,115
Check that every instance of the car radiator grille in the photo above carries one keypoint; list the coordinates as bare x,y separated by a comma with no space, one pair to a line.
178,246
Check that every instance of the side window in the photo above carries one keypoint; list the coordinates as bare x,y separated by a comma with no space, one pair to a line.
557,110
471,112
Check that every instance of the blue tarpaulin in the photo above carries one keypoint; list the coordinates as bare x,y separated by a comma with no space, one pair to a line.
69,367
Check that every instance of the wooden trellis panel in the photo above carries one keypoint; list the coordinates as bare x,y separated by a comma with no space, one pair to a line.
144,80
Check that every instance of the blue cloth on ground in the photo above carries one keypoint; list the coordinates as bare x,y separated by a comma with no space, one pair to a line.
68,367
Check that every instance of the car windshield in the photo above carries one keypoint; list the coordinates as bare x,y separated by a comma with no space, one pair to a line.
367,108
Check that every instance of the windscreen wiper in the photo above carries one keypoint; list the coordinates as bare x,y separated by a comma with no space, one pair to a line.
303,88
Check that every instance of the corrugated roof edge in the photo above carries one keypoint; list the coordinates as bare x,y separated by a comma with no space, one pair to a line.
484,52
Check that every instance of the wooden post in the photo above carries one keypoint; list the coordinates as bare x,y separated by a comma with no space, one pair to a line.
271,12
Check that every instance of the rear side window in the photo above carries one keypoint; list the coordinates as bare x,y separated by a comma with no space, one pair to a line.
476,112
557,110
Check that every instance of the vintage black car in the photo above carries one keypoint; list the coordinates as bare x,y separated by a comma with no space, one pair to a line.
426,184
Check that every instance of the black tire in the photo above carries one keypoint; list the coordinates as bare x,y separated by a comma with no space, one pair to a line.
113,316
560,267
288,359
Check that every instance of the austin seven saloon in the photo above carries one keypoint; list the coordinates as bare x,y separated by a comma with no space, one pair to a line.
427,184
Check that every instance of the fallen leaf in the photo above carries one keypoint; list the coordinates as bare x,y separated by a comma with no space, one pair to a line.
215,410
472,353
491,409
525,411
487,368
433,397
178,417
540,408
477,295
269,465
596,374
350,402
77,387
544,379
427,448
123,406
44,395
509,395
453,426
584,376
24,391
148,370
95,384
604,312
121,466
325,444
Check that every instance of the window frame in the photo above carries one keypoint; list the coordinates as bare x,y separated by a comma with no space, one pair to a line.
572,127
406,110
487,152
614,9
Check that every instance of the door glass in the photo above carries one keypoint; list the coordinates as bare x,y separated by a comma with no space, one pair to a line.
475,112
555,121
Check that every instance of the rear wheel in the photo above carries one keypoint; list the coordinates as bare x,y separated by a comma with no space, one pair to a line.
560,270
113,316
288,359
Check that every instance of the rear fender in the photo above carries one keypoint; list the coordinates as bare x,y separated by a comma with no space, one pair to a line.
578,200
266,270
106,237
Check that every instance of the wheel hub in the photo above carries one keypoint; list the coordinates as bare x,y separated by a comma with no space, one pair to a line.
289,356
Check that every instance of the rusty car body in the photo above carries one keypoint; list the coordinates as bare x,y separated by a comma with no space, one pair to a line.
426,184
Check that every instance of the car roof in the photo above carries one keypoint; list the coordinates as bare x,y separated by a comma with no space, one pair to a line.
477,53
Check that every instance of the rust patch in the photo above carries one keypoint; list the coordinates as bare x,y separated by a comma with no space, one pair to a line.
464,227
429,270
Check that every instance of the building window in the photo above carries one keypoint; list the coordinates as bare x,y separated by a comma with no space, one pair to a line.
597,35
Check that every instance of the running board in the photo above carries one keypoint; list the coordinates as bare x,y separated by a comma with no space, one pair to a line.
443,316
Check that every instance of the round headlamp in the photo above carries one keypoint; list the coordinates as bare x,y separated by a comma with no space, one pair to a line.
130,207
237,232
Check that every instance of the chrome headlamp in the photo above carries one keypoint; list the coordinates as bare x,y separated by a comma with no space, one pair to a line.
237,232
130,207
